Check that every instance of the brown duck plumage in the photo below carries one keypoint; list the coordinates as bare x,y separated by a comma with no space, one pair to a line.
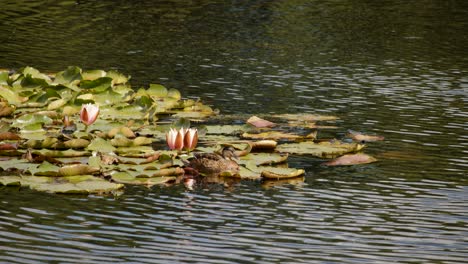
213,163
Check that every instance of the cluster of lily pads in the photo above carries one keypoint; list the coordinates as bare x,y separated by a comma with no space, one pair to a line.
80,131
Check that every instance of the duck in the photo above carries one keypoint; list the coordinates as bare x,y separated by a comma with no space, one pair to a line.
213,163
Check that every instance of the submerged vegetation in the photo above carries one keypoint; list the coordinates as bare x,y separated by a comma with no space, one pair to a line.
85,132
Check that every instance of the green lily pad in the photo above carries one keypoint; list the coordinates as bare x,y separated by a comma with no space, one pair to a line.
56,104
226,129
123,112
69,75
77,169
281,173
78,185
157,90
12,97
91,75
321,150
127,178
98,85
117,77
263,158
101,145
247,174
275,135
135,151
31,119
10,180
62,153
107,98
45,169
14,164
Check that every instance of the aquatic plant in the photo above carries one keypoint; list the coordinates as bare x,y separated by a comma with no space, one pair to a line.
45,147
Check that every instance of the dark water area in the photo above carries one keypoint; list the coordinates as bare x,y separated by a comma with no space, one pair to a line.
393,68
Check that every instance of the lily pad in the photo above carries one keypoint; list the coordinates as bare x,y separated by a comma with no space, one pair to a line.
78,185
10,180
259,122
351,159
247,174
321,150
127,178
264,158
275,135
101,145
281,173
226,129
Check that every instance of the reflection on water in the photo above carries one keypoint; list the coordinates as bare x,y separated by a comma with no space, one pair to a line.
391,68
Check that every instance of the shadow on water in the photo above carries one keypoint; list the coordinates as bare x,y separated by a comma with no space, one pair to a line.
393,68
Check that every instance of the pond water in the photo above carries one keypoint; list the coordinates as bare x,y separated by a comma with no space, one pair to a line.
393,68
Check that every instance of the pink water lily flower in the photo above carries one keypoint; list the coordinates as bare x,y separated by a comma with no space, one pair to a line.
182,138
89,113
191,138
175,139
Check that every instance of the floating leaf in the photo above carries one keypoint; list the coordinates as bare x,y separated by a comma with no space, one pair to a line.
259,122
165,172
264,145
77,169
125,131
76,143
45,169
357,136
351,159
125,177
247,174
321,150
270,183
61,153
264,158
4,76
6,110
8,146
9,136
173,93
121,141
117,77
11,96
30,82
107,98
275,135
225,129
37,144
56,104
10,180
98,85
78,185
157,90
31,119
281,173
69,75
91,75
101,145
135,151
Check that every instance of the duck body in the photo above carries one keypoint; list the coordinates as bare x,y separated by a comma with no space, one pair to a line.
213,163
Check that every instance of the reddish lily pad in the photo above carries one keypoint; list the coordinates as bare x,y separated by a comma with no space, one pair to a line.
259,122
351,159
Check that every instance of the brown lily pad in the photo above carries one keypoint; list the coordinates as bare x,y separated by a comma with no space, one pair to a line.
259,122
351,159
